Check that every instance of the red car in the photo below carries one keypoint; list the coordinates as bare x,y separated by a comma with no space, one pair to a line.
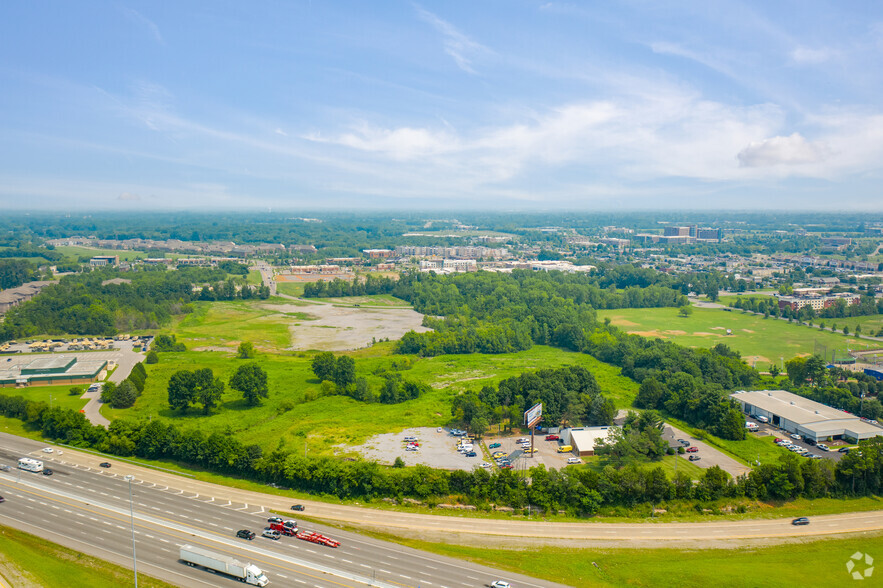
692,449
552,437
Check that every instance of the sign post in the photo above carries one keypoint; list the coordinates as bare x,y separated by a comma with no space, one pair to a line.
531,417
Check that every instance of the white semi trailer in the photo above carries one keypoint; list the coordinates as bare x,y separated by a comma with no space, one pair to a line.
244,572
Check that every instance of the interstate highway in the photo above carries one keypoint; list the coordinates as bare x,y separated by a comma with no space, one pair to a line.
88,509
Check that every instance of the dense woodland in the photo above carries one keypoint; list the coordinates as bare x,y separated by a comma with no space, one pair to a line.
87,304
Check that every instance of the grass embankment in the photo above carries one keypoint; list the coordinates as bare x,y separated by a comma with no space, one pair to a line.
759,340
670,464
253,278
28,560
289,413
816,563
752,449
372,301
226,324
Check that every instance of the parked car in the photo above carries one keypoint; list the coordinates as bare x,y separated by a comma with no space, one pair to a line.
272,534
494,445
692,449
471,454
529,450
245,534
684,442
498,454
843,450
506,466
485,464
694,458
809,441
297,507
574,460
104,464
800,521
796,437
823,447
552,438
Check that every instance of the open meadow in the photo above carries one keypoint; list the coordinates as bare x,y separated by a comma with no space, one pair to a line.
296,411
759,340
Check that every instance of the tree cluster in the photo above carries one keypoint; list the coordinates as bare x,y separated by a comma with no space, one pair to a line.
167,343
128,391
337,287
187,388
639,438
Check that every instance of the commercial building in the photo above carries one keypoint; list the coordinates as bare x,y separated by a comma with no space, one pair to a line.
100,260
817,302
805,417
584,439
44,371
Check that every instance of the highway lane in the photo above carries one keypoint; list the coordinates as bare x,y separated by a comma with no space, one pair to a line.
162,506
492,532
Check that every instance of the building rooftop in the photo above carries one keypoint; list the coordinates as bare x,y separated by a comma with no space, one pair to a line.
792,407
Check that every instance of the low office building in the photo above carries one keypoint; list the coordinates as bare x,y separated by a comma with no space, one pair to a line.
584,439
805,417
47,371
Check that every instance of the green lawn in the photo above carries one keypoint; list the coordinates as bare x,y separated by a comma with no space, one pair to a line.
253,278
759,340
77,252
60,395
330,420
669,463
814,563
28,560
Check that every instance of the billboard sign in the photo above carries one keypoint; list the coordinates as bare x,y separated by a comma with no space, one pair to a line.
533,415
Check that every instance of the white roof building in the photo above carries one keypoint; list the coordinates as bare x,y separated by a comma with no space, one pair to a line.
805,417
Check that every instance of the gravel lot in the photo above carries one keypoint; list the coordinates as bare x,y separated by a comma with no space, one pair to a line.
437,450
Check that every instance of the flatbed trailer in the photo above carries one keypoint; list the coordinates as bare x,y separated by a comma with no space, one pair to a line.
318,538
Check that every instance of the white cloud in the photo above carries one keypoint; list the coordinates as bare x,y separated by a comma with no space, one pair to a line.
791,150
128,197
281,132
811,56
142,20
460,47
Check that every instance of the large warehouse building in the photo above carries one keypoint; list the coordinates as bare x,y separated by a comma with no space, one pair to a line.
808,418
54,370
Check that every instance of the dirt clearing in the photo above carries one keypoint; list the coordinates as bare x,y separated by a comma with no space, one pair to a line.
338,328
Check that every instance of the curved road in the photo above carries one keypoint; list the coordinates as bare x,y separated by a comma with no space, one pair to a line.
489,532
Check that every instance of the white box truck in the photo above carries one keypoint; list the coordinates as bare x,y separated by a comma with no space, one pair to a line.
244,572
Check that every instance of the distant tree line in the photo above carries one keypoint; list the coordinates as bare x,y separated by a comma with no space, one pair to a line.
358,287
578,490
83,304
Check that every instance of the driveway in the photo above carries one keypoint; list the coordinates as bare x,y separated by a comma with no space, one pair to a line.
710,455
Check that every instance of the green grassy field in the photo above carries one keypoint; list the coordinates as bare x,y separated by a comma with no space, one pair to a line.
815,563
76,252
374,300
226,324
290,288
331,420
28,560
757,339
253,278
60,395
670,464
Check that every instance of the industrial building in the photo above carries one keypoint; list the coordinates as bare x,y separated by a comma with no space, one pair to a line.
583,439
61,369
805,417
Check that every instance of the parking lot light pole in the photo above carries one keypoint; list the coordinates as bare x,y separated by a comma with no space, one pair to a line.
129,479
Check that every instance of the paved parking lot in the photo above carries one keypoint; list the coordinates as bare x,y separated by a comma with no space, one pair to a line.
709,456
765,430
437,449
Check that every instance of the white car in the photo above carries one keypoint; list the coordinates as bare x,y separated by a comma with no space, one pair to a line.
796,437
485,464
823,447
501,584
48,450
574,460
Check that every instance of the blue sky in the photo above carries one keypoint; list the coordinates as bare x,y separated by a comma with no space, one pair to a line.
473,104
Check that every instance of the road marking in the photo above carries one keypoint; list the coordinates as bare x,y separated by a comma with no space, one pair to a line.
365,566
169,512
346,560
384,571
405,577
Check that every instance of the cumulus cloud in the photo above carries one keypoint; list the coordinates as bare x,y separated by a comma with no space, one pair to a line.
460,47
128,197
791,150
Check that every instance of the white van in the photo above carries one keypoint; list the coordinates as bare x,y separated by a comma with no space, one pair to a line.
763,419
465,448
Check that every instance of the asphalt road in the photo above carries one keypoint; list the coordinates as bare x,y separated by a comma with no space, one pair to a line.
88,508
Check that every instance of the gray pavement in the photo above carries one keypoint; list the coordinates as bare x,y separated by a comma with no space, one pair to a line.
709,455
